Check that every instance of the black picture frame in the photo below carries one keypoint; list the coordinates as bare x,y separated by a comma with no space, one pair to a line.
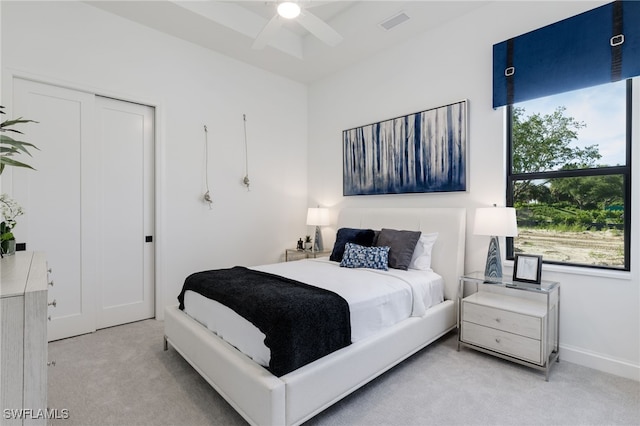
527,268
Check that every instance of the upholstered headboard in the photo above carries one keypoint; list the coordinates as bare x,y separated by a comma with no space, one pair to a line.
450,223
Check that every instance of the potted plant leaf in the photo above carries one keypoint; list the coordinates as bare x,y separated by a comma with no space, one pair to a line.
10,146
9,209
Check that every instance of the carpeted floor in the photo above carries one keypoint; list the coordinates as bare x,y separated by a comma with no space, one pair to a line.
122,376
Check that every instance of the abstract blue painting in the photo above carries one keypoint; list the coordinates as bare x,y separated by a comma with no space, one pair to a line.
420,152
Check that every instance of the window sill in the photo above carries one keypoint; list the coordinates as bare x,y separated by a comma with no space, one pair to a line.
585,271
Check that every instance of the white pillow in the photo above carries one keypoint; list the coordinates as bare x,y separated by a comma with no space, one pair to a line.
421,258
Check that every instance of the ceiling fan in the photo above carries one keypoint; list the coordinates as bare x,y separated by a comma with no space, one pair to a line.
290,10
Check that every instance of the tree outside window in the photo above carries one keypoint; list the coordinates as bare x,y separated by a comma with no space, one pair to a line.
569,177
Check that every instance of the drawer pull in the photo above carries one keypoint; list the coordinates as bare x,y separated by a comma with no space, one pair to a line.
49,317
54,303
497,340
498,320
51,364
51,283
49,270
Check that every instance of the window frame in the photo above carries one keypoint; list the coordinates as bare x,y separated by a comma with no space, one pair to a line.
625,171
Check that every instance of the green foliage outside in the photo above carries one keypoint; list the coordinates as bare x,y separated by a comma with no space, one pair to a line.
561,217
543,143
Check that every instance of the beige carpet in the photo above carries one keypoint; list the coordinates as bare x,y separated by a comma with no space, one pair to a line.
121,376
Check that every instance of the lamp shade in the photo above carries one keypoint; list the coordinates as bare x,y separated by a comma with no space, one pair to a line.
496,221
317,216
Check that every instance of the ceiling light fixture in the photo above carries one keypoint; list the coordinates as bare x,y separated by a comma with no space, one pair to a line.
288,10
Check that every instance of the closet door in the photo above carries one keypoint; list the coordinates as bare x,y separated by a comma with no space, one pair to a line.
53,197
125,136
89,205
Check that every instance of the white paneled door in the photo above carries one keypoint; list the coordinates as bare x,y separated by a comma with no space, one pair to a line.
52,197
125,136
89,205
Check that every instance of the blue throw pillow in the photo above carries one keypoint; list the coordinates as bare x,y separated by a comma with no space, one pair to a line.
362,237
356,256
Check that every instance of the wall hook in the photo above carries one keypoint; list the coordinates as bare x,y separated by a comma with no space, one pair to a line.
245,180
207,195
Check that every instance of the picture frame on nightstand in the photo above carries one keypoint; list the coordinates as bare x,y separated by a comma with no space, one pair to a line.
527,268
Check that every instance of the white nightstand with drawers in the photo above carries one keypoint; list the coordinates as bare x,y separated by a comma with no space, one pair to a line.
510,319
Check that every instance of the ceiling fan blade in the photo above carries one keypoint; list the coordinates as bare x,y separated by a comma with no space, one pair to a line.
319,28
267,33
306,4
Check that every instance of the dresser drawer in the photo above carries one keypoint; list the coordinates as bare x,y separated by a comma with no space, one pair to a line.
524,325
503,342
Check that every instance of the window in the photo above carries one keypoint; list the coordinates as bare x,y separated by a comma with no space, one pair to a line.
569,176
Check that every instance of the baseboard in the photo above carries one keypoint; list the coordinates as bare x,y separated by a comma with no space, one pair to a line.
600,362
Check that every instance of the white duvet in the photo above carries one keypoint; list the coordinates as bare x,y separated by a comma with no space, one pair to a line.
377,299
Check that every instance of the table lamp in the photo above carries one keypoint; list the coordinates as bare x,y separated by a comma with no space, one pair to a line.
495,222
317,216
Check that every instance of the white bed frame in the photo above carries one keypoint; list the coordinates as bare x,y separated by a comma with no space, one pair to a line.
264,399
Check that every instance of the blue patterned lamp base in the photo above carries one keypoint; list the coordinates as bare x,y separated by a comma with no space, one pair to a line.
317,240
493,268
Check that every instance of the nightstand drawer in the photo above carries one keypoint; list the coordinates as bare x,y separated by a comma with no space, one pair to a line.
503,342
511,322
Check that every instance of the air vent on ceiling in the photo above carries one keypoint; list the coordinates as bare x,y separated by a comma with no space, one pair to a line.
394,21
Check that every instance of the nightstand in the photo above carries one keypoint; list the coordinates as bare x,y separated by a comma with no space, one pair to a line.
513,320
294,254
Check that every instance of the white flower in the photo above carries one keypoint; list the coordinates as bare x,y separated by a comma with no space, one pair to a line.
9,210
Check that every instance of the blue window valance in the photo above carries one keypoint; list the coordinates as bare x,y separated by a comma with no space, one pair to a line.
596,47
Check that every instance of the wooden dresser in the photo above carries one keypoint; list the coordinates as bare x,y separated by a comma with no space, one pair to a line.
23,338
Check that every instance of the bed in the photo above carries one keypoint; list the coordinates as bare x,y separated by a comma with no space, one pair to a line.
264,399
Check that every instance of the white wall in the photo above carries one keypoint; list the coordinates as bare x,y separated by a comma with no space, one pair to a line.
600,315
77,45
82,47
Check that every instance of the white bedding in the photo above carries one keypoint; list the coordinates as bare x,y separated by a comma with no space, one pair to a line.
377,299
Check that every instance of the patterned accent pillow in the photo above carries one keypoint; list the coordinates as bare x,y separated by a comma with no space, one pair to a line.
356,256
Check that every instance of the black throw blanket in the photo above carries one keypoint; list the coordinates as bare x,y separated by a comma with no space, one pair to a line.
302,323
